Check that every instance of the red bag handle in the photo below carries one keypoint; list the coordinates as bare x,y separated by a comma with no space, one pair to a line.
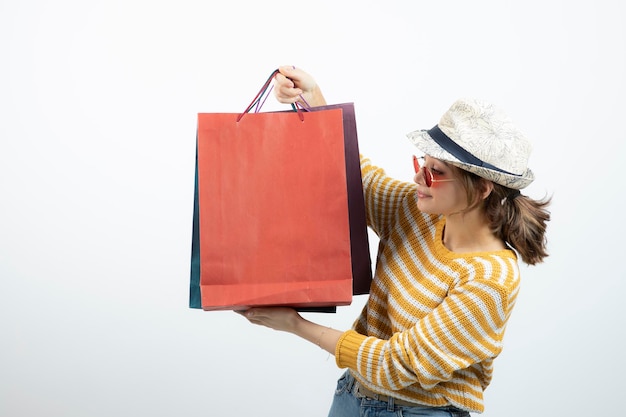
261,96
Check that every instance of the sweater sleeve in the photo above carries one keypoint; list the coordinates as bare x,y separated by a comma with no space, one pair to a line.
383,195
466,328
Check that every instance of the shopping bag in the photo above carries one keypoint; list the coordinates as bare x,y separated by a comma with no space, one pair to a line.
360,249
274,223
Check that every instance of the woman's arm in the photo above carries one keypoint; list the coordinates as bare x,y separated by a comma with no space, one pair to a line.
383,197
465,329
288,320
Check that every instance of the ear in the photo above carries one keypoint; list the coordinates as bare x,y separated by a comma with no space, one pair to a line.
486,188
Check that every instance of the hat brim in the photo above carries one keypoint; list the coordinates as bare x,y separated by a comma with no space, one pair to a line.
422,140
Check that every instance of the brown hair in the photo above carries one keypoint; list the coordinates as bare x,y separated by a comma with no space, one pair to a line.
517,219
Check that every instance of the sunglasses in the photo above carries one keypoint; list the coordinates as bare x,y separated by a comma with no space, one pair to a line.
429,177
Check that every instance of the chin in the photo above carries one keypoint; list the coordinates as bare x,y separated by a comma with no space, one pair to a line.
424,208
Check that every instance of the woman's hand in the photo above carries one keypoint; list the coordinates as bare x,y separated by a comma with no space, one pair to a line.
288,320
293,85
277,318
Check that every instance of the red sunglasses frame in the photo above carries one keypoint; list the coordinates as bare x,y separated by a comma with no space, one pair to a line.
429,177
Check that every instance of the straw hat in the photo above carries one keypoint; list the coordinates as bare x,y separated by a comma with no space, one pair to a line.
478,137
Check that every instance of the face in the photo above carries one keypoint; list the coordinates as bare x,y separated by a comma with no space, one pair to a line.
445,195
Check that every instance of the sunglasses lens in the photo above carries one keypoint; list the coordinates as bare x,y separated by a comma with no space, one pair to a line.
428,177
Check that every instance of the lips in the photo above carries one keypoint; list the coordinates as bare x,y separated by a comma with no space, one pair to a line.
422,195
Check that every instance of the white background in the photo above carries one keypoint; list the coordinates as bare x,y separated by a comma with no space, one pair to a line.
98,104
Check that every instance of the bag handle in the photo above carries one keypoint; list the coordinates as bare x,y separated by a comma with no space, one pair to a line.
262,95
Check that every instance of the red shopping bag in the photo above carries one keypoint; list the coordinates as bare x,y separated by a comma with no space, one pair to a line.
273,213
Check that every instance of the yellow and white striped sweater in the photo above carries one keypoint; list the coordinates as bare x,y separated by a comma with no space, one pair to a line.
435,319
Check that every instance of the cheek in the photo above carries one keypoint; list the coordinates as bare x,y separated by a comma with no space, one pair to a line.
457,195
452,201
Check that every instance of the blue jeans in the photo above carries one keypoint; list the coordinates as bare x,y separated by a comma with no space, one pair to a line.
345,404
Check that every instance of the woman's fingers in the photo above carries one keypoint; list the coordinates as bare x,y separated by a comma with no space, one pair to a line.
285,89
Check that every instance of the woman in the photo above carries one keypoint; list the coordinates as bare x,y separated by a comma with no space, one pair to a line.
446,276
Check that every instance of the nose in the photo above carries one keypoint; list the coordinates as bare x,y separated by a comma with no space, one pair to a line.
417,177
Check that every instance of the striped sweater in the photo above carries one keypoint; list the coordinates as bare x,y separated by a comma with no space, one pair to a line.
435,319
